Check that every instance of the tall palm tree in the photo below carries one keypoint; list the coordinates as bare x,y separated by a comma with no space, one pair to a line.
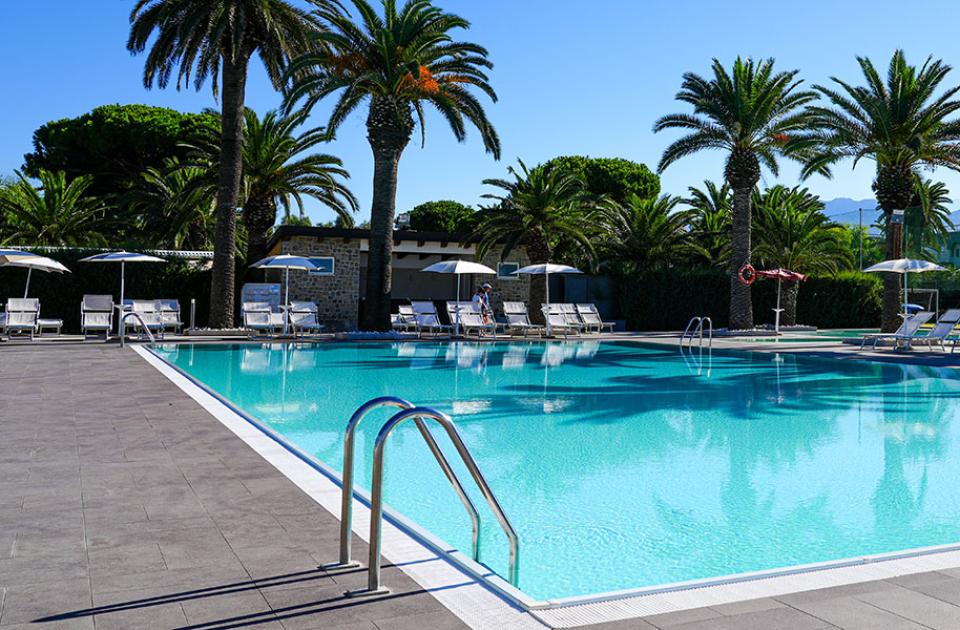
174,206
397,63
710,212
58,213
540,208
278,172
751,114
902,124
215,39
793,233
645,232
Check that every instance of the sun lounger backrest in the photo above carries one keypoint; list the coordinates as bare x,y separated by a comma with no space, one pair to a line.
145,306
427,320
913,324
23,305
405,310
951,315
423,307
517,319
471,320
302,307
514,308
97,303
168,305
256,314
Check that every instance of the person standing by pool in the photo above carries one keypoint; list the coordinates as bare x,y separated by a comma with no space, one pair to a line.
481,299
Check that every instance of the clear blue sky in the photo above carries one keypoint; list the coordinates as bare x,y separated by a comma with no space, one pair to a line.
573,76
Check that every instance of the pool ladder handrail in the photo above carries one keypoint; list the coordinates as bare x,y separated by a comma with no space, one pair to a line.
418,415
698,329
143,327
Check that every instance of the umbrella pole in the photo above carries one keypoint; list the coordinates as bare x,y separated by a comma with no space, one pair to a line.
26,289
286,299
456,311
546,279
123,273
776,323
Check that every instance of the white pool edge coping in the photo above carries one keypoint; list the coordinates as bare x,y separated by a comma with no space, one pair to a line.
481,598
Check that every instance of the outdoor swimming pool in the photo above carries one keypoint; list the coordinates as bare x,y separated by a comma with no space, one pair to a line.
625,465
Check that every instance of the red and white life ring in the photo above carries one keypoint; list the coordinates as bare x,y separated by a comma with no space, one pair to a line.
747,274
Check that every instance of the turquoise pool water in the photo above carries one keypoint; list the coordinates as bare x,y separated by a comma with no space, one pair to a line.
624,465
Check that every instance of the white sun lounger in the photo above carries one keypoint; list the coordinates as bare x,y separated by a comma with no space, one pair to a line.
303,317
558,322
170,314
149,317
590,316
404,319
473,321
518,320
96,314
21,316
907,329
258,317
425,316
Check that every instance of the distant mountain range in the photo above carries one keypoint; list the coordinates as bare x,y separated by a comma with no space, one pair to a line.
846,210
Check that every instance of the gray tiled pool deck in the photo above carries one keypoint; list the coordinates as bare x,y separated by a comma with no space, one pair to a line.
123,504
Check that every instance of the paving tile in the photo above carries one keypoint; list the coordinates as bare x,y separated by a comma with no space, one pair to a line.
852,614
439,620
669,620
774,619
751,605
917,607
247,607
54,602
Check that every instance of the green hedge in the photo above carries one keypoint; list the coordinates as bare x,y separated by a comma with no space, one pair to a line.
60,295
665,299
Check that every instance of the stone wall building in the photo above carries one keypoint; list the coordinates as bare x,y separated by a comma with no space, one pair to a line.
342,253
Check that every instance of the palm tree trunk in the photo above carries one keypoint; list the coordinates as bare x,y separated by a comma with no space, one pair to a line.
890,316
741,305
788,302
389,125
259,215
539,253
895,190
222,283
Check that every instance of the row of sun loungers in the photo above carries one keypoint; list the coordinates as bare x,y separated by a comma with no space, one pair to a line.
910,333
297,318
22,316
566,319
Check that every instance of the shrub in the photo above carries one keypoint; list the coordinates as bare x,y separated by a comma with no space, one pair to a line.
666,299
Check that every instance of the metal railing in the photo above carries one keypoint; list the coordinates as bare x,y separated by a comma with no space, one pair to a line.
376,498
419,415
697,323
346,495
143,326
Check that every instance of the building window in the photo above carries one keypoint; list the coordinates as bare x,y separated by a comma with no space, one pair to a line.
325,266
505,271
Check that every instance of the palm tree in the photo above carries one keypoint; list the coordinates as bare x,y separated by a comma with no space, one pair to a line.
539,208
645,232
751,114
58,213
398,63
215,39
934,223
710,214
900,123
175,207
278,172
793,233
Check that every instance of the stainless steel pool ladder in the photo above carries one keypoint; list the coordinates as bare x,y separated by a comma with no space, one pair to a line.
143,326
418,414
697,324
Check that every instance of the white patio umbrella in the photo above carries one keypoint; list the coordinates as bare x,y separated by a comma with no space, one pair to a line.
31,261
285,262
545,270
458,267
905,266
123,258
